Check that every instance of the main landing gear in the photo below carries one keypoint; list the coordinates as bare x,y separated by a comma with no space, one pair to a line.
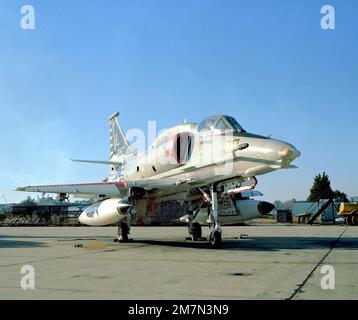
124,226
123,231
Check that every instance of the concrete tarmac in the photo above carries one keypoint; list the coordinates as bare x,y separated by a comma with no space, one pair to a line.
272,262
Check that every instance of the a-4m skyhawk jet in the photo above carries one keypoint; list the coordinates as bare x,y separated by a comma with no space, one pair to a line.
194,173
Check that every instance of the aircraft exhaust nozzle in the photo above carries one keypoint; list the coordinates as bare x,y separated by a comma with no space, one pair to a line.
265,207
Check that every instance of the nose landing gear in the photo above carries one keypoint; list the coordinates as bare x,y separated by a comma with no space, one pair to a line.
213,218
215,238
215,235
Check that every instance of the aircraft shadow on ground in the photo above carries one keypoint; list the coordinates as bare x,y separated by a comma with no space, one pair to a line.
59,238
20,244
264,243
10,241
249,244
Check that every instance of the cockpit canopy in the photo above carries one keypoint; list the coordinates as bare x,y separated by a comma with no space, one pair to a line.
219,124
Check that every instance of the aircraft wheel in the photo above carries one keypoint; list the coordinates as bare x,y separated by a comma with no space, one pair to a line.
355,220
125,231
196,232
215,239
350,220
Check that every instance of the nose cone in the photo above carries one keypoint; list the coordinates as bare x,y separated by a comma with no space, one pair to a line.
265,207
282,153
289,152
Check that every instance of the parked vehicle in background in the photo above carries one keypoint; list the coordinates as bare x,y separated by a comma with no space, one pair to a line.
349,211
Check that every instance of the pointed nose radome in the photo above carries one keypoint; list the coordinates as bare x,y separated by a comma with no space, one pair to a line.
290,153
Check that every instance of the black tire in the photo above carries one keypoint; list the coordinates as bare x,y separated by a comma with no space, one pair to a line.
350,220
355,220
125,230
196,232
215,239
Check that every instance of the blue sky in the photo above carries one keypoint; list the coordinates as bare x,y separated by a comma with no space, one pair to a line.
267,63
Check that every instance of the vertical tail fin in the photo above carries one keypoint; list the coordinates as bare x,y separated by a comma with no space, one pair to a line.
118,142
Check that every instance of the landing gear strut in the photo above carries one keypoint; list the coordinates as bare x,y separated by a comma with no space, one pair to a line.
215,235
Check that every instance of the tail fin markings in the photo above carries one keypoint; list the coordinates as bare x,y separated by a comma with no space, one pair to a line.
118,142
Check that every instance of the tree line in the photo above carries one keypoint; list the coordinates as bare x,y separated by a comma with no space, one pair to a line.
321,189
